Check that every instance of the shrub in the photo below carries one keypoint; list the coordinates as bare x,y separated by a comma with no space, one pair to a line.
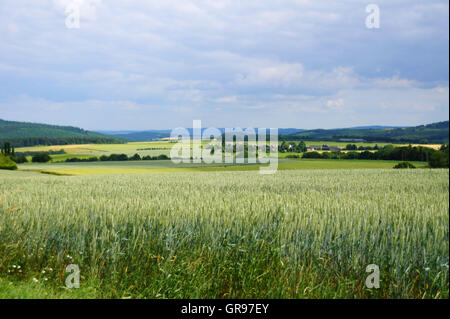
118,157
20,159
439,159
352,155
135,157
163,157
404,165
312,155
76,159
41,158
7,163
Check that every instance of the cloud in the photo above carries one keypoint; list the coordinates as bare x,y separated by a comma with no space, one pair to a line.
224,60
335,104
227,99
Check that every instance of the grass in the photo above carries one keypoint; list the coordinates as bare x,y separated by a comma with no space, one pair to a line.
295,234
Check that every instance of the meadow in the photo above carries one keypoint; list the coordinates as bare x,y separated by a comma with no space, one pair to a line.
167,166
225,234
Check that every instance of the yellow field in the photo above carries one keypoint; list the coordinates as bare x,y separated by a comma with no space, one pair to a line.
96,148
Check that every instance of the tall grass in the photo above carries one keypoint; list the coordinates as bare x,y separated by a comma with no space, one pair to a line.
296,234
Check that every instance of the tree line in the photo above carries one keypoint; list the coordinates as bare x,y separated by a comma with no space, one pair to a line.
435,158
119,158
33,141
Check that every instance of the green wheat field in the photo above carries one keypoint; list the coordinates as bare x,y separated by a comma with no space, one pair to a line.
226,234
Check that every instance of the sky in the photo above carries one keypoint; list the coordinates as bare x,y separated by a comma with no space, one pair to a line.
160,64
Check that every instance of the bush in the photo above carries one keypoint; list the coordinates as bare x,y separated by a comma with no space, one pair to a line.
163,157
76,159
352,155
404,165
156,158
439,159
7,163
312,155
20,159
114,157
135,157
41,158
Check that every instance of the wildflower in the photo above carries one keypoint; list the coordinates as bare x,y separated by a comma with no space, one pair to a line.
35,280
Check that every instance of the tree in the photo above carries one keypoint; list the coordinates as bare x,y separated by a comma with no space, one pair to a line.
41,158
20,159
301,147
135,157
7,150
439,159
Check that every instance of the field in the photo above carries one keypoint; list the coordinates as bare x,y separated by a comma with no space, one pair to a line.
365,144
133,167
155,229
224,234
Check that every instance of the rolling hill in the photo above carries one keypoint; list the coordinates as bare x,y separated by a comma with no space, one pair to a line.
431,133
142,136
29,134
138,136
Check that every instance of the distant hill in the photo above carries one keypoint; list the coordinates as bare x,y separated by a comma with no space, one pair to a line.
141,136
432,133
374,127
138,136
29,134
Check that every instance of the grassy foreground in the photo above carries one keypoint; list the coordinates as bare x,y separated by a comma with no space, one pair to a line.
295,234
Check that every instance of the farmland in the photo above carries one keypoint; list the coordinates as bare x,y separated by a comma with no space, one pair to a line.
224,234
156,229
133,167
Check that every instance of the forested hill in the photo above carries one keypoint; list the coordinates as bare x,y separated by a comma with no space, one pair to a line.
431,133
29,134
